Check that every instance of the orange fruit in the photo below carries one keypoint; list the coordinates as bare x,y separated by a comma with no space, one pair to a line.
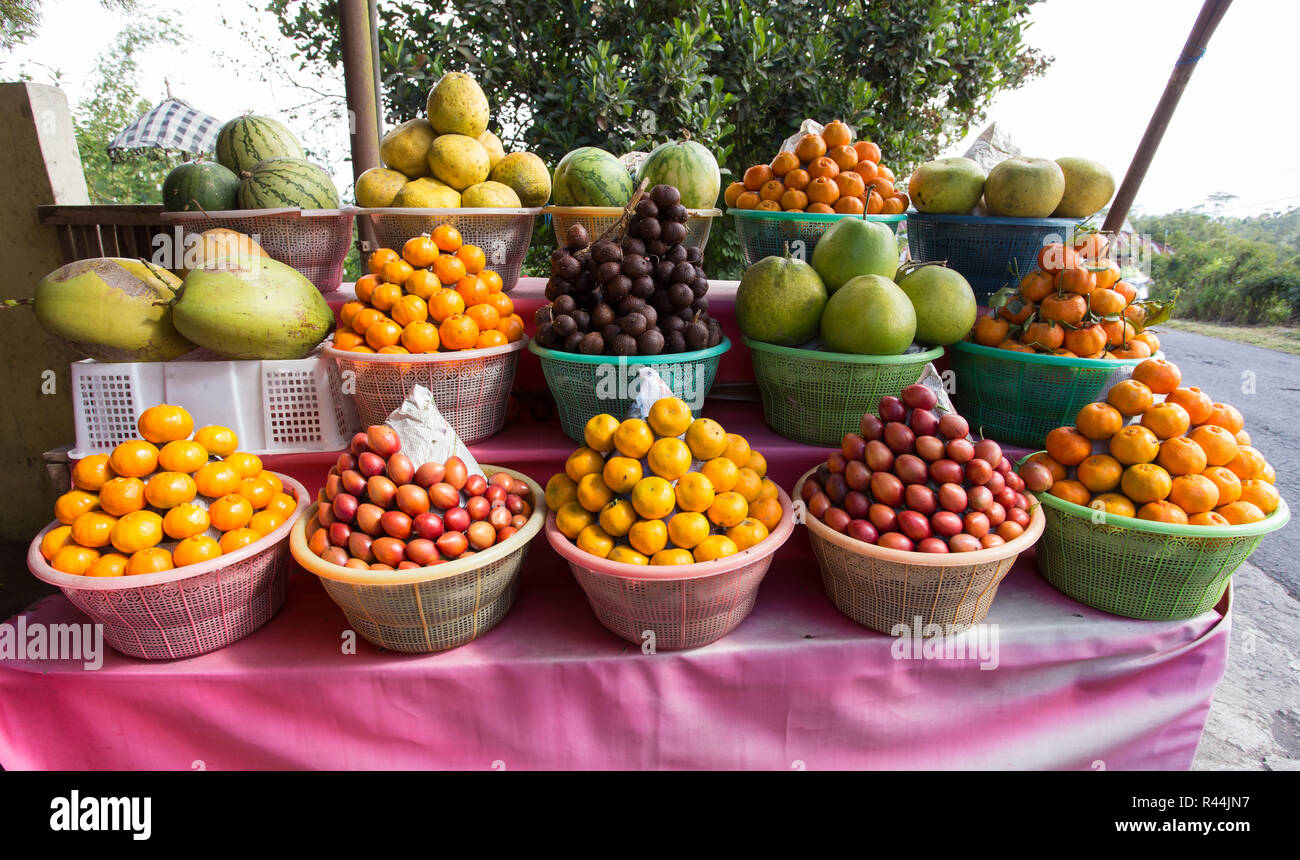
395,272
512,328
1240,513
714,547
759,175
767,510
809,148
449,269
73,559
694,492
265,522
109,564
1181,456
793,199
149,560
364,319
490,338
850,184
1130,397
732,195
420,337
669,458
136,531
1219,445
1228,484
1076,279
595,540
364,286
379,259
458,332
748,484
1166,420
420,251
750,200
485,316
849,206
134,459
782,164
721,472
445,303
195,549
1161,376
706,438
1134,349
1086,341
93,529
91,473
385,297
168,489
231,511
867,151
1209,518
1146,482
990,330
282,503
422,283
688,528
1100,473
1196,402
1242,437
1261,494
393,350
1150,339
771,190
447,238
410,309
217,479
73,504
56,539
247,465
258,491
121,496
1134,444
1223,415
505,307
1071,491
1099,421
238,539
182,455
1114,504
165,423
493,281
185,521
1163,512
1195,494
1068,446
1067,308
473,289
383,333
822,189
1248,463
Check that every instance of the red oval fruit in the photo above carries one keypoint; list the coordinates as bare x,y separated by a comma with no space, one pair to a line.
836,463
353,482
428,525
339,534
412,500
857,504
457,472
857,475
478,508
894,540
444,496
879,458
506,533
809,489
400,469
518,521
481,535
887,489
356,564
457,519
1014,481
923,422
500,517
819,504
979,498
953,426
319,541
359,545
952,497
964,543
921,499
891,409
452,544
837,518
988,451
914,524
960,450
883,517
370,464
429,474
946,472
996,514
383,440
933,545
333,486
871,426
337,555
345,462
389,550
358,445
862,530
975,524
476,485
409,565
911,469
991,540
918,396
345,506
1019,516
378,566
978,471
422,551
370,519
837,488
996,483
899,438
1006,497
853,446
930,448
1010,530
396,524
381,491
325,514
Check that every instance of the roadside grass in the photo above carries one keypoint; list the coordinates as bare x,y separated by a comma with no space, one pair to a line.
1280,338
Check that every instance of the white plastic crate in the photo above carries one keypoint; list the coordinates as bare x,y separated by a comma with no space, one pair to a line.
275,407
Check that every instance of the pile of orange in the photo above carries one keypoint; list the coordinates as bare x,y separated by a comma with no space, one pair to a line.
173,497
1158,451
1074,304
436,296
630,494
826,173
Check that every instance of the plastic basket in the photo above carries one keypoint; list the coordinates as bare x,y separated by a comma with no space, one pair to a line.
673,606
984,249
587,385
816,397
471,387
503,234
881,588
188,611
274,407
1142,569
429,608
1018,397
765,234
598,219
313,241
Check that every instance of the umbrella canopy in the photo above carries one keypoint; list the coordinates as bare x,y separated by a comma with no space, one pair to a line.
172,126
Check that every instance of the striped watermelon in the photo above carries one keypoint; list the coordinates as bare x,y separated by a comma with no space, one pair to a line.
688,167
246,140
280,183
200,186
592,177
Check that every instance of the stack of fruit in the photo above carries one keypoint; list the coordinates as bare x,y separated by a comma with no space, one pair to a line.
1014,188
825,173
1182,459
630,495
435,296
379,511
643,294
1074,305
164,501
589,176
448,159
913,480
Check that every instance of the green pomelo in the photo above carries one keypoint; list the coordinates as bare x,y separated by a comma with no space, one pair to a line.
945,304
780,300
1024,188
490,195
526,173
457,105
1088,187
949,186
377,187
854,247
427,193
406,148
869,315
458,161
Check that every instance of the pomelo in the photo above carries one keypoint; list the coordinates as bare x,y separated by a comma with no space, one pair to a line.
1088,187
869,315
457,105
526,173
458,160
947,186
1024,188
854,247
406,148
780,300
945,304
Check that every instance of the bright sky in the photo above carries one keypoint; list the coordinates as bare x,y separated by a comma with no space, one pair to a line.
1232,131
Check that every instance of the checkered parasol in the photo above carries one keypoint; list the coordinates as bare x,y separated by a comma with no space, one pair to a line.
172,126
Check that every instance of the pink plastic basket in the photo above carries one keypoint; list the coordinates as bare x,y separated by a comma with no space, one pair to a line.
680,606
471,387
503,234
313,241
189,611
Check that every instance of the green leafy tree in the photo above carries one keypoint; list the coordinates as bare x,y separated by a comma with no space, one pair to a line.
20,19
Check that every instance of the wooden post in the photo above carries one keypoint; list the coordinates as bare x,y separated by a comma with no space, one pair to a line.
360,77
1208,19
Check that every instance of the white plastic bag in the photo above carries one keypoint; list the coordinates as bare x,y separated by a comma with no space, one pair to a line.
426,436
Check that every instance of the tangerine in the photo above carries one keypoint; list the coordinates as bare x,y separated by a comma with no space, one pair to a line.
1100,473
134,459
1068,446
1134,444
1099,421
91,473
1219,444
1228,484
1130,397
1181,456
1161,376
1146,482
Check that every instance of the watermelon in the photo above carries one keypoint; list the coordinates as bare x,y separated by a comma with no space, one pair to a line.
200,186
592,177
246,140
688,167
280,183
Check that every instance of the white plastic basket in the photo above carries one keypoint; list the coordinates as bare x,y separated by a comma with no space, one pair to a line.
274,407
313,241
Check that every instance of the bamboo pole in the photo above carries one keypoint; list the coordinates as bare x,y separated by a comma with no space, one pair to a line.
360,74
1211,13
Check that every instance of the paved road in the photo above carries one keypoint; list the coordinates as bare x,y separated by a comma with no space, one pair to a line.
1265,386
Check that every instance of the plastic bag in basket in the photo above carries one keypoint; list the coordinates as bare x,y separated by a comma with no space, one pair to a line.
426,436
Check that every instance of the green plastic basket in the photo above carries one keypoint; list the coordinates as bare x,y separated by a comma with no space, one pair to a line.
587,385
816,397
1143,569
765,234
1019,398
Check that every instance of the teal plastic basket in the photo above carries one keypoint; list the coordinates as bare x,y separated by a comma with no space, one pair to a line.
983,248
587,385
1018,397
765,234
816,397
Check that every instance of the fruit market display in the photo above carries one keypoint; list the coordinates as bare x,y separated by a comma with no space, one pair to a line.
436,296
825,172
174,497
1015,187
642,294
663,490
1157,450
913,480
380,511
687,166
590,176
448,159
1074,305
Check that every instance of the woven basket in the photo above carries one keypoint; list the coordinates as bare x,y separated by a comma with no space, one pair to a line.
1019,397
598,219
765,234
430,608
1142,569
313,241
187,611
673,606
984,249
884,588
471,387
588,385
816,397
503,234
